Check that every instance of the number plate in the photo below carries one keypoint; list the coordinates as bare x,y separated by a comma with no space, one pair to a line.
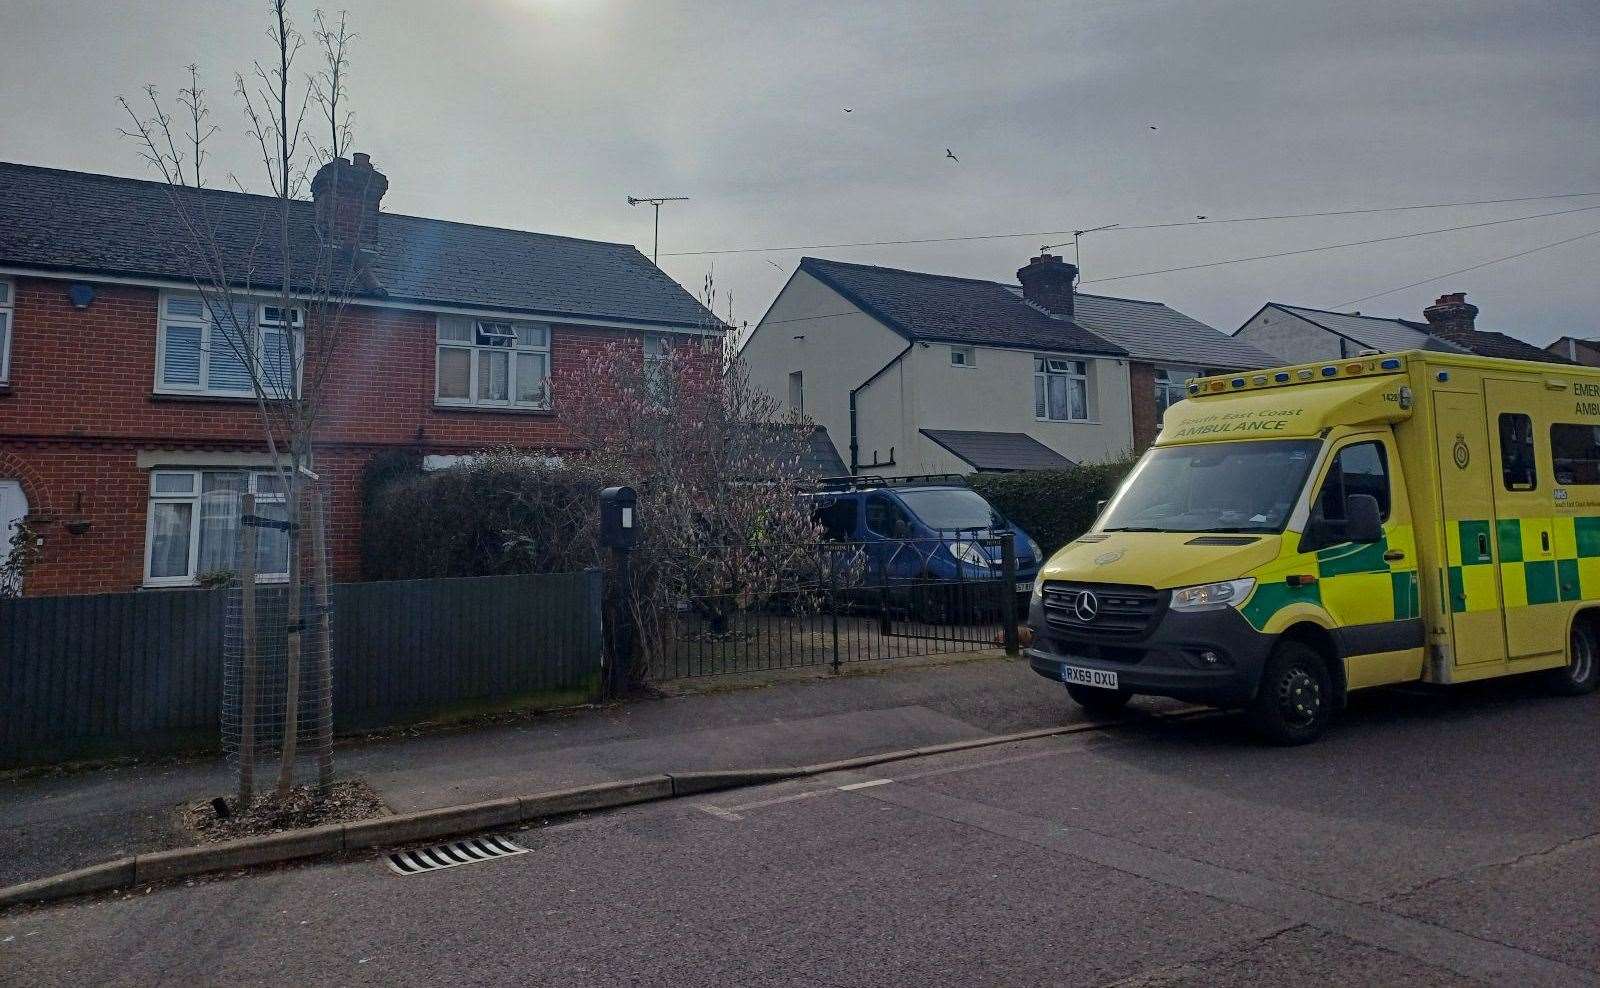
1024,586
1089,677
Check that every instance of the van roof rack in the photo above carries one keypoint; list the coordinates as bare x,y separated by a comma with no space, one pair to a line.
868,481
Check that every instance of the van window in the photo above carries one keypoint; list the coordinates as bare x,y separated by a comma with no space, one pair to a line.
1360,468
1516,452
886,518
1576,452
838,519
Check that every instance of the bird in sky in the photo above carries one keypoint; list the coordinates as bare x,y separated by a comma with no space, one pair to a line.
951,155
1198,217
1152,126
848,110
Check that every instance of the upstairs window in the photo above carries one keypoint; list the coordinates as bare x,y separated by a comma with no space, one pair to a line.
210,349
7,307
1060,389
962,356
493,363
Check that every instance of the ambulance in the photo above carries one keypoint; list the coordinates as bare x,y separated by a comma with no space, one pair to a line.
1298,533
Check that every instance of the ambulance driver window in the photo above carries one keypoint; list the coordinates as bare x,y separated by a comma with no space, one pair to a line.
1576,452
1360,468
1516,452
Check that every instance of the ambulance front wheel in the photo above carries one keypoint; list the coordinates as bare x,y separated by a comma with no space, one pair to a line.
1295,700
1582,674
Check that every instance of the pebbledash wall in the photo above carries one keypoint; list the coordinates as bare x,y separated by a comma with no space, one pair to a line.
80,425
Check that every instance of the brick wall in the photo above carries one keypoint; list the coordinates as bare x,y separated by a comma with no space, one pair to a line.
80,408
1142,392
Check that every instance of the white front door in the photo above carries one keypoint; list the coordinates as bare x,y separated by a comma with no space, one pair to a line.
13,508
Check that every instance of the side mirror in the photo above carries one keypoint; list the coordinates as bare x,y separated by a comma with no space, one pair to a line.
1363,521
1100,505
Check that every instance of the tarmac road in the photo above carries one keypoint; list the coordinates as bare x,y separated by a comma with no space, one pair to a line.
1430,839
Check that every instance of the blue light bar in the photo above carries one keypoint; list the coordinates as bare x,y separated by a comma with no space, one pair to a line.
1329,371
1281,376
1238,382
1392,363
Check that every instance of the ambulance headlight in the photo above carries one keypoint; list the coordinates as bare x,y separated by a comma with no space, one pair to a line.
1038,590
1213,596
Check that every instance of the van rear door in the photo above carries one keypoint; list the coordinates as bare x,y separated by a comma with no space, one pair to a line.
1472,580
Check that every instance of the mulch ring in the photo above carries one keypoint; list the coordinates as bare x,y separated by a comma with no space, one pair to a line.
304,806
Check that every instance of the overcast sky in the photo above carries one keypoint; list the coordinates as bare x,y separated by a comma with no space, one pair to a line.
545,114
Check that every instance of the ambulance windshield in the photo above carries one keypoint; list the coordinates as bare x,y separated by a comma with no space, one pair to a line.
1214,487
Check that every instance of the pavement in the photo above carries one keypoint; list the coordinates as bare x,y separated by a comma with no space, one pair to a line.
1431,838
55,823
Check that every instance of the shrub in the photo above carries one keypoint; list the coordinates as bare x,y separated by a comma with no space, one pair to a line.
1053,506
500,513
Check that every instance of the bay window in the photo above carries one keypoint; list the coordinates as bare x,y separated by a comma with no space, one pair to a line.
492,363
207,348
1060,389
193,525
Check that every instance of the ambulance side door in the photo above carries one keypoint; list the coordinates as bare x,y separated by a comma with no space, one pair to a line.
1524,519
1467,473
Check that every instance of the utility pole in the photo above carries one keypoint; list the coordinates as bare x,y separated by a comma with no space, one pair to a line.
656,201
1077,257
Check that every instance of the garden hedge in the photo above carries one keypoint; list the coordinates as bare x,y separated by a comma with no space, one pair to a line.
1053,506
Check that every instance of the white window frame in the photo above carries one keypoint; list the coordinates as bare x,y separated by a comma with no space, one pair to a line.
259,329
193,498
1173,384
1072,369
8,326
968,355
489,328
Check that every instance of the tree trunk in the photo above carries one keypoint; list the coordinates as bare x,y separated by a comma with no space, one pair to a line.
324,642
247,662
295,617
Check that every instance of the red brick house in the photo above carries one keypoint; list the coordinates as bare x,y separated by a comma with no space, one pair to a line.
115,416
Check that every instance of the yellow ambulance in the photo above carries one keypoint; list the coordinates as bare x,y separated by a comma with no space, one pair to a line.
1298,533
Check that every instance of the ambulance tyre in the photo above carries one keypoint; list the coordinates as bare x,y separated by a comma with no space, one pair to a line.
1099,701
1582,674
1295,700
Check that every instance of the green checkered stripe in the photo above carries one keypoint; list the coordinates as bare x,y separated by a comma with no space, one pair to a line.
1543,581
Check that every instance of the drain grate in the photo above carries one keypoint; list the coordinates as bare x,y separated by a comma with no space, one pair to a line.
452,854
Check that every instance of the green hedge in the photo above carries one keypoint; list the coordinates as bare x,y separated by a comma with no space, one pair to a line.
1053,506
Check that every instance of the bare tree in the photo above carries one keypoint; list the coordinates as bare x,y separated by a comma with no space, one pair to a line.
301,276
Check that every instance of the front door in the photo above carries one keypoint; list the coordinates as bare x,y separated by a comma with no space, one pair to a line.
1472,580
1524,535
13,508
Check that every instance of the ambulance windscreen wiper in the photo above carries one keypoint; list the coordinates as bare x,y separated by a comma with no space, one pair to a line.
1129,528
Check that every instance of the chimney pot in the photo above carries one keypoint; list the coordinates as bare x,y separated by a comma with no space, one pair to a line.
1451,311
1047,282
346,195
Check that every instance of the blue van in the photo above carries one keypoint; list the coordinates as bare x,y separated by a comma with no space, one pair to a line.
921,531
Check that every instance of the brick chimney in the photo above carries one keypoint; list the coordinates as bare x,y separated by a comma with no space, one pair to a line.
1451,312
1047,283
347,194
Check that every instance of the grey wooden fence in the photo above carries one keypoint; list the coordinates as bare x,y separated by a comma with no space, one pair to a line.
130,673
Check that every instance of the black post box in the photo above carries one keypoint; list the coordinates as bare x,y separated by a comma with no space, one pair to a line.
619,526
